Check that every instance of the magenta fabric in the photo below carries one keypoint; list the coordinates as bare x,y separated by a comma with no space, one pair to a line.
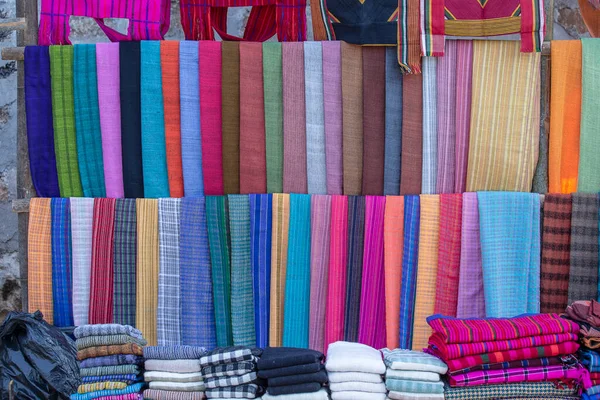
446,114
464,69
320,224
109,103
471,302
332,102
209,56
371,329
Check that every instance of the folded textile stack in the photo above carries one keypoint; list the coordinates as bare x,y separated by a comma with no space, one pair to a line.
355,372
110,359
413,375
293,374
230,373
507,351
173,372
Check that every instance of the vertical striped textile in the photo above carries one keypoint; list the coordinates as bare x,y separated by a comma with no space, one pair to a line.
39,255
146,302
316,168
446,294
273,96
320,228
40,131
197,309
352,118
82,214
169,64
230,113
242,296
131,122
510,247
191,145
125,256
356,234
332,105
393,243
218,239
583,273
279,255
209,58
87,121
411,163
62,297
427,268
253,167
505,114
63,113
261,209
373,120
410,254
109,105
297,279
294,119
430,86
154,151
589,163
372,302
168,314
464,74
336,290
556,251
565,116
446,75
393,124
101,283
471,301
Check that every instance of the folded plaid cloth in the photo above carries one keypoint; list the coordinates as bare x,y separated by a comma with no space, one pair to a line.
409,360
530,390
153,394
110,370
412,375
223,355
415,396
115,359
136,388
229,369
224,381
107,340
401,385
178,386
101,351
249,391
129,396
174,352
590,359
176,366
150,376
126,378
106,329
94,387
534,362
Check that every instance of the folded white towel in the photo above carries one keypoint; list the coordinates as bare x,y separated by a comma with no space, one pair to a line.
358,387
415,396
178,366
178,386
354,377
412,375
354,357
150,376
357,396
320,395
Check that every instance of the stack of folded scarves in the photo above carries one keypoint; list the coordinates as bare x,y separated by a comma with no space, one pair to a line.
110,356
502,352
293,374
413,375
230,372
173,372
355,372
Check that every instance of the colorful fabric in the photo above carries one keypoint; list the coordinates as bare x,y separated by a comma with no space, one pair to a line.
87,121
117,359
135,388
408,360
82,215
503,152
279,255
218,239
273,96
354,266
107,340
124,261
541,390
110,370
409,47
510,246
63,113
109,105
61,262
591,360
393,251
101,286
230,113
197,307
106,385
101,351
40,130
39,253
332,106
429,177
393,123
535,362
411,164
372,302
530,374
106,329
410,254
297,283
127,378
464,75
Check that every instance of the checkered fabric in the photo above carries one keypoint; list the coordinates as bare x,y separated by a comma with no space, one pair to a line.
101,351
125,255
225,381
229,369
541,390
231,354
249,391
40,258
106,329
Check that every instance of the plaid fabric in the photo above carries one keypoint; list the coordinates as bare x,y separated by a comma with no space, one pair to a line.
354,265
409,360
410,256
115,359
153,394
106,329
225,381
125,249
110,370
135,388
591,360
61,262
101,287
279,250
402,385
94,341
231,354
82,215
229,369
39,253
535,362
541,390
168,319
127,378
248,391
107,385
101,351
173,352
532,374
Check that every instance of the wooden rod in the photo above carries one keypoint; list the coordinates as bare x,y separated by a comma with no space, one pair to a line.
13,24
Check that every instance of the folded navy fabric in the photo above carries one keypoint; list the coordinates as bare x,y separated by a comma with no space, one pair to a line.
117,359
279,357
293,370
294,389
318,377
177,352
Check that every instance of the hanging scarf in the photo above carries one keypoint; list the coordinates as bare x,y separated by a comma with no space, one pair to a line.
410,255
409,47
429,177
411,164
39,255
356,234
273,96
125,256
82,216
464,69
393,124
279,255
332,106
393,237
61,262
230,111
